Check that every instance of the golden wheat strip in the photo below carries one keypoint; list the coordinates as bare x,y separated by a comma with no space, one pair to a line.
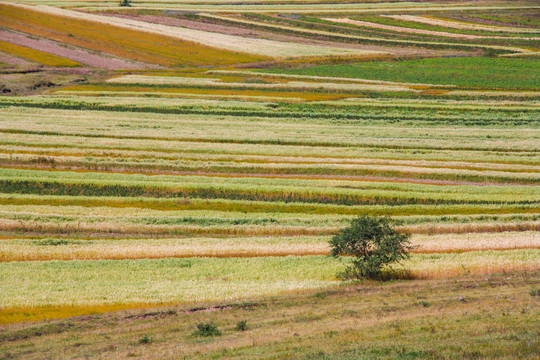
271,48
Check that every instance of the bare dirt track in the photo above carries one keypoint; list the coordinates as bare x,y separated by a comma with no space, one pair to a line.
75,54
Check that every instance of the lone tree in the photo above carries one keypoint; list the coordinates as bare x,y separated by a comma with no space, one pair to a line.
125,2
373,242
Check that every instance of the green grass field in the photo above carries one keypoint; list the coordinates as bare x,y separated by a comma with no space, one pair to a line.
164,168
481,73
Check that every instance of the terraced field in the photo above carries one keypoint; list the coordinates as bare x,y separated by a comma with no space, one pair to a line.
200,156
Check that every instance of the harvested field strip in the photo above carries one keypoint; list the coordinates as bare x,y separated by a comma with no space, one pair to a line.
116,230
164,182
104,229
189,94
289,6
323,144
288,95
347,110
413,31
218,43
36,55
286,77
368,24
249,193
133,204
56,152
512,19
77,54
31,250
392,21
287,86
122,249
265,94
339,192
369,174
462,25
12,143
299,135
475,241
376,40
471,160
57,283
116,221
204,216
108,38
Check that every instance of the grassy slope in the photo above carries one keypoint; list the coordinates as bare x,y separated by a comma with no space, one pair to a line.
467,72
480,317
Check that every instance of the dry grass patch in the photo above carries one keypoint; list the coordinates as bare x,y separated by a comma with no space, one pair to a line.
107,282
150,248
475,241
70,249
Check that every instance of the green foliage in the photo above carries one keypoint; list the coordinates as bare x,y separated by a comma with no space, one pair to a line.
52,242
57,242
479,72
535,292
125,2
145,340
241,325
206,330
373,242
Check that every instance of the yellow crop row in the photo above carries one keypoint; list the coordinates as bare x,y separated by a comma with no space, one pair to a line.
127,43
36,55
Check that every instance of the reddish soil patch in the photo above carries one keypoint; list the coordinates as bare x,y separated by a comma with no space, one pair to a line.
76,54
256,33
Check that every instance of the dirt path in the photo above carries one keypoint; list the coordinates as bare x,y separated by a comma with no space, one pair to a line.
79,55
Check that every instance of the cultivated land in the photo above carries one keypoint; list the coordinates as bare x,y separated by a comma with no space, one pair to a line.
164,165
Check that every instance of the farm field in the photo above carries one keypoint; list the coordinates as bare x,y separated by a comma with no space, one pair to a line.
168,164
